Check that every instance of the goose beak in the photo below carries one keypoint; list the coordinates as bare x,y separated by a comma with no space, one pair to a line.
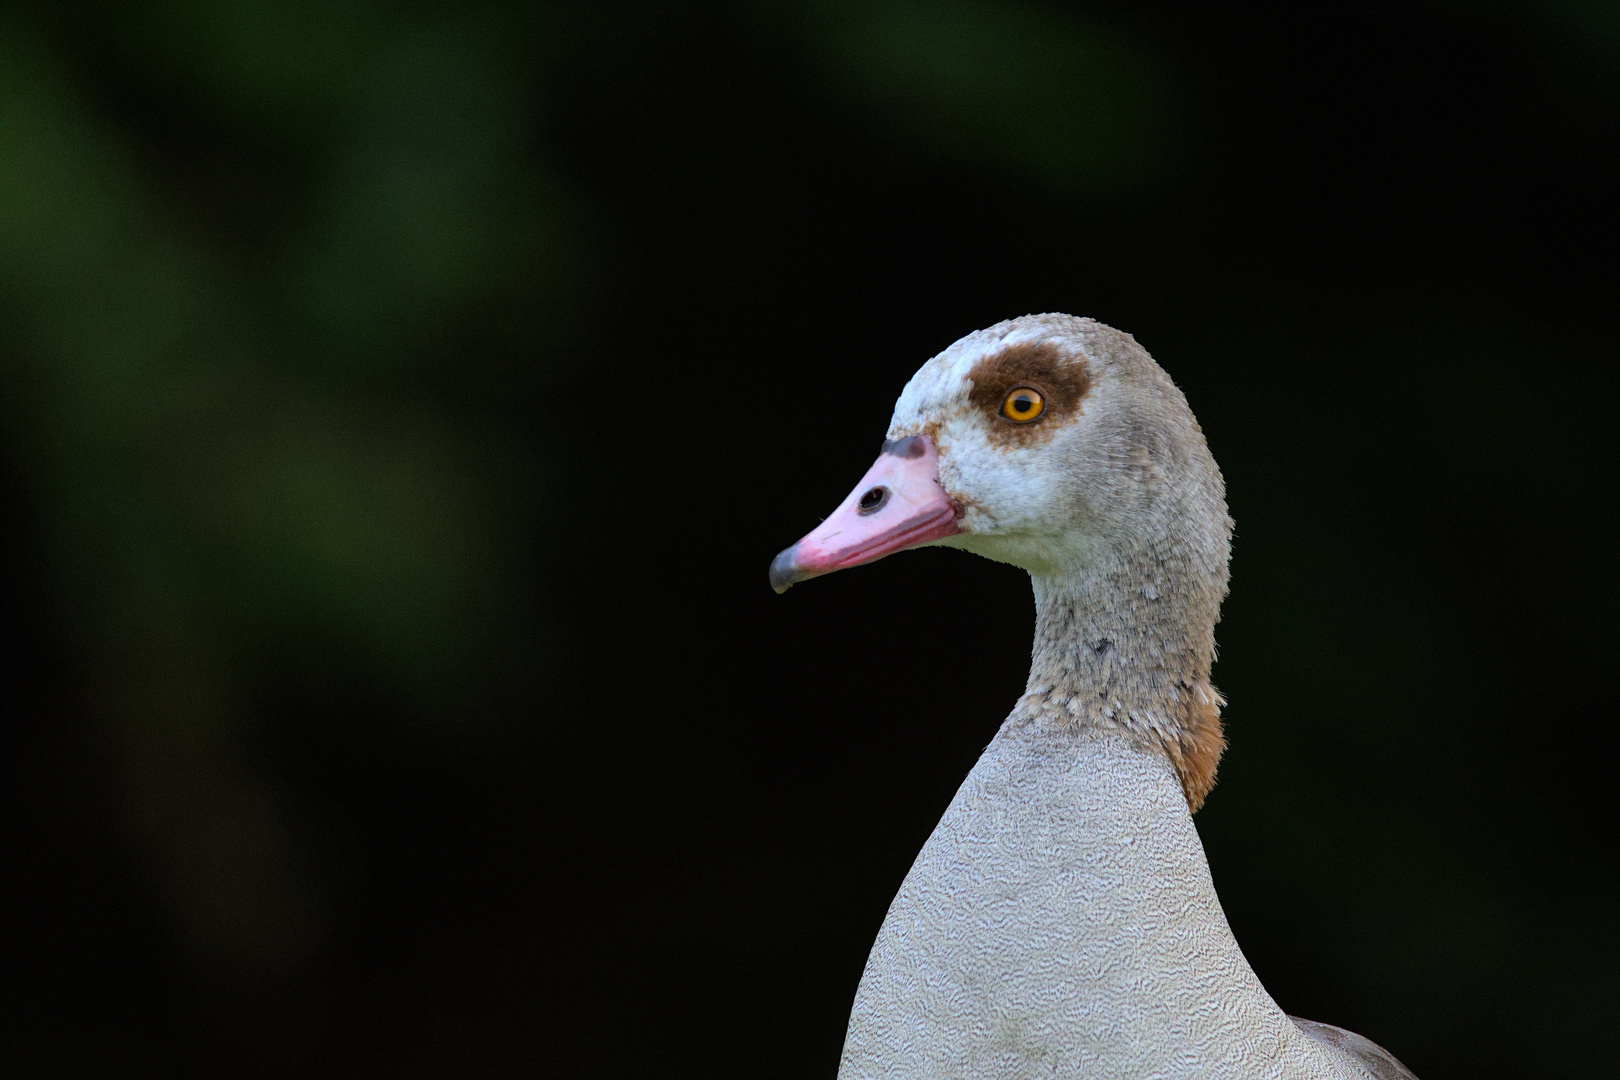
897,505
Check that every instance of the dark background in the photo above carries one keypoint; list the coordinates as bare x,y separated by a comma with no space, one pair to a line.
401,404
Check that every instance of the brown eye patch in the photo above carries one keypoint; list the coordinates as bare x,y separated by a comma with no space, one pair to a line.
1059,376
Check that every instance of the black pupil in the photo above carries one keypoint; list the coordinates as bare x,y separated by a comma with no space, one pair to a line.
1022,404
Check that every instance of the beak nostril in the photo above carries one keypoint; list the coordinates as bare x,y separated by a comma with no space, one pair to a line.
874,500
913,446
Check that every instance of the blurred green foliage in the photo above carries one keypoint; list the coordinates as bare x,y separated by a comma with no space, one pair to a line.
263,414
295,298
1039,90
241,435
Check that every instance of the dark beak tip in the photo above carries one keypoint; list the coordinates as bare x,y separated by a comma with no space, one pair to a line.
784,571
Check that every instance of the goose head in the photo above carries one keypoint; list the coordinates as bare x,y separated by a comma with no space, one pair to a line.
1058,445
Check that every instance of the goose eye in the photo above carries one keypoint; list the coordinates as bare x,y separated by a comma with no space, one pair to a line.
1023,405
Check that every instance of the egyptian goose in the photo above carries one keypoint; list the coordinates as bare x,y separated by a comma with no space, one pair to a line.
1061,920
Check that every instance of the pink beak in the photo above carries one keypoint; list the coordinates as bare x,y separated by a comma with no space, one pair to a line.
897,505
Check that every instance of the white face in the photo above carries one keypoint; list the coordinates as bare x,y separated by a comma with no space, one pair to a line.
1023,484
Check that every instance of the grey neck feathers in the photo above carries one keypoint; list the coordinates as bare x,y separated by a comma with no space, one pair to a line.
1125,643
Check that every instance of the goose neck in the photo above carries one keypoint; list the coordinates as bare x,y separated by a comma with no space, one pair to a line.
1119,648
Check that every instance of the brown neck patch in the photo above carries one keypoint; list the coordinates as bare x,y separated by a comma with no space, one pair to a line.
1059,374
1196,749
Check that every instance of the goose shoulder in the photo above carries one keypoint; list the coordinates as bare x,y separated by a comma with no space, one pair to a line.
1380,1063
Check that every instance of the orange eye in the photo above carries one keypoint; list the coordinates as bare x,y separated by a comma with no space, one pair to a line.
1023,405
